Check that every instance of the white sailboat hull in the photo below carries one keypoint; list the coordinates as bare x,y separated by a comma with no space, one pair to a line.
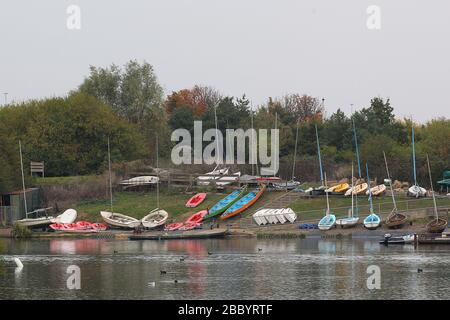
30,222
120,220
416,191
214,175
347,222
68,216
155,219
142,180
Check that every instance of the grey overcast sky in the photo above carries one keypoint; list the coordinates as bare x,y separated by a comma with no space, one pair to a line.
258,47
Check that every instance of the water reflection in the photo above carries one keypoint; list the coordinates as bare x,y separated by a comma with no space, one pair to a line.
221,269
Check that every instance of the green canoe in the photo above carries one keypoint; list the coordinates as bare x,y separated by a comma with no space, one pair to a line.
225,203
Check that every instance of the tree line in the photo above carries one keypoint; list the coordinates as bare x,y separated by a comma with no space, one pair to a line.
127,104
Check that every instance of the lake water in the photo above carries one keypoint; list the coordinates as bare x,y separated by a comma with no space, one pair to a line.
237,268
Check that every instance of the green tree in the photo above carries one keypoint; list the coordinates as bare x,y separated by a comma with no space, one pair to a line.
69,134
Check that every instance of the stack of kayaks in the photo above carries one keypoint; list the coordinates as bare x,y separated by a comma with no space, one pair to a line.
78,227
225,203
274,216
193,222
244,203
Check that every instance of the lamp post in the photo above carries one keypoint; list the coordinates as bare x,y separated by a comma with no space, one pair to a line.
6,97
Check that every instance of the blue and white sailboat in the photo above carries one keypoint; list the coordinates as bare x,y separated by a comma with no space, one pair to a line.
351,220
372,221
321,189
362,187
416,190
327,222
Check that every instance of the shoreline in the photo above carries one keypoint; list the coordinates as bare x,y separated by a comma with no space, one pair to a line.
290,231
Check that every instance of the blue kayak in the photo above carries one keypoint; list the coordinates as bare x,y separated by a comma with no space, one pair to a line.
225,203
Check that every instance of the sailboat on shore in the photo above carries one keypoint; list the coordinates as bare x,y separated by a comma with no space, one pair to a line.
372,221
112,218
157,217
217,174
321,189
395,218
351,220
329,220
415,190
41,221
362,186
437,225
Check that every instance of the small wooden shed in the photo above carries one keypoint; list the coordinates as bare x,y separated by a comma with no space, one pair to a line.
12,205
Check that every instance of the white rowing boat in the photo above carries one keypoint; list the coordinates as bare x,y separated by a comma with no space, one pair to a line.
120,220
155,218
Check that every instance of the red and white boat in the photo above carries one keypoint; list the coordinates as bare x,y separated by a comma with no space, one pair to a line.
196,200
173,226
197,217
190,226
78,227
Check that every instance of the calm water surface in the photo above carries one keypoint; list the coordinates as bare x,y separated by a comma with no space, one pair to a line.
236,269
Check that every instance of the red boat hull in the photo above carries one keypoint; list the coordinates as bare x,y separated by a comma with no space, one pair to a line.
80,226
196,200
197,217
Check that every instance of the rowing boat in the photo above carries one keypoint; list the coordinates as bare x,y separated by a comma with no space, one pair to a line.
225,203
119,220
155,218
244,203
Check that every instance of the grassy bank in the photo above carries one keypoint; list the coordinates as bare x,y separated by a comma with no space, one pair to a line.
63,180
315,208
138,204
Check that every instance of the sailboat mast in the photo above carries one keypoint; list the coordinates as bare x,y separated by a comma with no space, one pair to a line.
295,150
110,180
352,190
326,193
370,191
414,154
356,147
390,182
253,139
432,191
276,125
157,172
23,178
217,136
318,153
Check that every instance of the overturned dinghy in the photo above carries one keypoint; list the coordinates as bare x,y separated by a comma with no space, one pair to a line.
274,216
68,216
139,181
259,218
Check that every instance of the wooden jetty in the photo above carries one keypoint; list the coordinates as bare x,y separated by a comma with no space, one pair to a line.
432,238
189,234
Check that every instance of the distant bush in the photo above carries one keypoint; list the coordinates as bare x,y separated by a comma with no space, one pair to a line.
20,231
